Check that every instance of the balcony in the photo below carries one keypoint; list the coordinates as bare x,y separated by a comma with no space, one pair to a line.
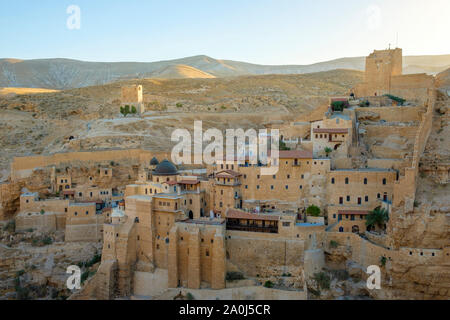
252,228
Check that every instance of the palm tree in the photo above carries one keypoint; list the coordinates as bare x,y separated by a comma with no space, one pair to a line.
328,150
377,217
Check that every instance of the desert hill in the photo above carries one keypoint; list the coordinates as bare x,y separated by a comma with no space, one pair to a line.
443,80
41,123
68,74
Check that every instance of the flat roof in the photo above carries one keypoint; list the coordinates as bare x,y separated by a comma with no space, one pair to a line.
140,197
81,204
237,214
330,130
366,170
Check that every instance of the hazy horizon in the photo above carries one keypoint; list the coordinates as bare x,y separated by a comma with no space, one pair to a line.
264,32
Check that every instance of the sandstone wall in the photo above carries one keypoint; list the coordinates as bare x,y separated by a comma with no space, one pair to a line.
264,254
22,166
393,114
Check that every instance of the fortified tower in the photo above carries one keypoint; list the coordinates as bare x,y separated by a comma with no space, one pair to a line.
133,96
381,66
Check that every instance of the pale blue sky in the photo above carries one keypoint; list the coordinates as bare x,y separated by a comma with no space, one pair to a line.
257,31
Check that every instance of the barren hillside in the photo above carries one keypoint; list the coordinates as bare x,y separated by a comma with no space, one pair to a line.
43,122
67,74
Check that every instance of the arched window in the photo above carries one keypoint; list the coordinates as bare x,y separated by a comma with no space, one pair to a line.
365,180
384,180
332,180
346,180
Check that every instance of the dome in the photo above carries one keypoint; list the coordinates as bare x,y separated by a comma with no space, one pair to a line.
165,168
154,162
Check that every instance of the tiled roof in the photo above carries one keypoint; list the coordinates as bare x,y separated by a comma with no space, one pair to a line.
237,214
325,130
228,173
189,182
354,212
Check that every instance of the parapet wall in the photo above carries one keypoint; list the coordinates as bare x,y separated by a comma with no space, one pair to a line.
264,254
412,86
405,187
395,114
22,166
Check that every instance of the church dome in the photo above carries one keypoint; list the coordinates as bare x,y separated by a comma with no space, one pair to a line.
154,162
165,168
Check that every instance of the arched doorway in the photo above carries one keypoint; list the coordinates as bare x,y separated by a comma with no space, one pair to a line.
191,215
355,229
341,229
202,212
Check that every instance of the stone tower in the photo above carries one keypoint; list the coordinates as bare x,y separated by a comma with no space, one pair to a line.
381,66
133,96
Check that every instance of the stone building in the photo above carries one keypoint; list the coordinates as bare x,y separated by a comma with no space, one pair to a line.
133,96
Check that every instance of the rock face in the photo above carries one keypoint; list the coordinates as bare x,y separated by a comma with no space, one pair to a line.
33,265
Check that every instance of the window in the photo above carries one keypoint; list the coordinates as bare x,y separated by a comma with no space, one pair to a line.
220,205
348,198
334,216
341,200
207,253
221,192
303,176
288,176
87,212
246,187
384,181
287,187
190,201
257,187
271,187
286,224
245,176
65,209
366,198
301,187
365,180
359,200
378,196
274,176
332,180
346,180
76,213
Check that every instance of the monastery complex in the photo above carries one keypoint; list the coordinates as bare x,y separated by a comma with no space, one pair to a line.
166,227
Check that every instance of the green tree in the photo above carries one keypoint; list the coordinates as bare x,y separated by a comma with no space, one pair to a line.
125,110
179,105
328,150
133,110
377,217
283,146
313,210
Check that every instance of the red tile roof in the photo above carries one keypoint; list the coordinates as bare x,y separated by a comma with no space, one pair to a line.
354,212
170,183
325,130
237,214
189,182
228,173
